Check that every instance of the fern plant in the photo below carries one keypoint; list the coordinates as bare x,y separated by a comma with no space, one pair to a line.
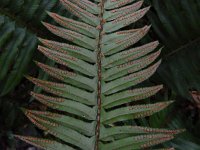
92,105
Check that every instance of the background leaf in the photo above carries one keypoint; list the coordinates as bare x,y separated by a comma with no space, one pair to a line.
176,23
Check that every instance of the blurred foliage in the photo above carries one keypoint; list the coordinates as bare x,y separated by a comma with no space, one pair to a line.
177,26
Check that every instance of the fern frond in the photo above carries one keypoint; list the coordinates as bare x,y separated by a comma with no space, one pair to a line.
94,98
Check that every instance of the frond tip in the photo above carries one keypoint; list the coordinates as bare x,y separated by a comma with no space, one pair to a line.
93,93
